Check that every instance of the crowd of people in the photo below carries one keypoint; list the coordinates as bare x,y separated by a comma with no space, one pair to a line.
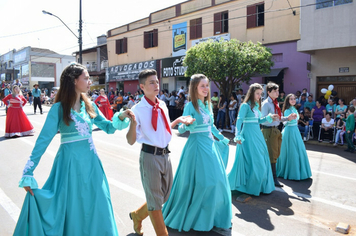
198,196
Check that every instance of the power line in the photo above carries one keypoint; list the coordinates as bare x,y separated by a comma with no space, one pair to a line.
30,32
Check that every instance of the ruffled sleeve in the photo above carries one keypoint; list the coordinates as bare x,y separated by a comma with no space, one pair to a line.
108,126
49,130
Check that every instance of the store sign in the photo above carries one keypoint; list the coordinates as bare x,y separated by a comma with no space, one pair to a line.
217,38
179,37
172,67
128,71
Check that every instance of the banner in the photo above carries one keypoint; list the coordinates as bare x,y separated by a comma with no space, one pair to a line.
179,34
128,71
172,67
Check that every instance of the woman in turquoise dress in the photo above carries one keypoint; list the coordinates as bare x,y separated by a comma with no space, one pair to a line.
75,200
200,198
293,162
251,172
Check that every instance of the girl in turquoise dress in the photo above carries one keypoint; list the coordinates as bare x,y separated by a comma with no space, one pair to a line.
200,198
75,200
293,162
251,172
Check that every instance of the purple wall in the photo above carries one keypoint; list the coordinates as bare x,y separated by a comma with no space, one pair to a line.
296,75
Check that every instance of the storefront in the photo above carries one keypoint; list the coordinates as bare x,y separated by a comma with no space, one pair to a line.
126,76
173,74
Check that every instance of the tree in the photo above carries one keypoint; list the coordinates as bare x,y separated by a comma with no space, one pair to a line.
228,63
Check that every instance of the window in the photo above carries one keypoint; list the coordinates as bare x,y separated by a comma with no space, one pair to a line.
121,46
196,28
255,15
330,3
221,23
150,38
165,86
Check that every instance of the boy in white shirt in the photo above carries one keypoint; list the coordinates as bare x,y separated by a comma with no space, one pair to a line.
152,128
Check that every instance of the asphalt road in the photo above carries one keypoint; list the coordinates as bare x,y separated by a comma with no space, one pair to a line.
310,207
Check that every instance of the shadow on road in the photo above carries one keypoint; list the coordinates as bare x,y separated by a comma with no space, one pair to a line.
339,151
257,209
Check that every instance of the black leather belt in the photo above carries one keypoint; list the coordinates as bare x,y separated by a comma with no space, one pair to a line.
268,127
155,150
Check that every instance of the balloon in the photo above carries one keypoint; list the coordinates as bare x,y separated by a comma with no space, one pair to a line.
334,93
328,92
326,96
331,87
324,90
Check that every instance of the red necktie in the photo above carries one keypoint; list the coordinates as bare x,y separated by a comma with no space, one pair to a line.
155,107
277,108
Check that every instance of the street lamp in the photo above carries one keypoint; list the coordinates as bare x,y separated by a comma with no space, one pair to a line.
80,41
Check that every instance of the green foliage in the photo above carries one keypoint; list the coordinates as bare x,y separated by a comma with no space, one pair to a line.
228,63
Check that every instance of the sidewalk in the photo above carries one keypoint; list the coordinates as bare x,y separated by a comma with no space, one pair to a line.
227,133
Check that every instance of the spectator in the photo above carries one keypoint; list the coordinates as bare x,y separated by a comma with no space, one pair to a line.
162,96
297,94
326,128
307,112
303,125
119,102
303,99
350,130
310,103
317,114
331,107
281,98
214,102
341,129
172,104
181,90
180,104
341,108
232,111
240,93
131,102
305,91
221,113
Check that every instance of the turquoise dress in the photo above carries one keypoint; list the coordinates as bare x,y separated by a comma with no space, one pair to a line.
251,172
200,198
75,200
293,162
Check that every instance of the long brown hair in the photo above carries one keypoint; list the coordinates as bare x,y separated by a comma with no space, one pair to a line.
250,96
193,93
67,94
287,104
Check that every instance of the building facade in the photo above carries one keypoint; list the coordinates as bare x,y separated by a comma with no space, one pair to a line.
165,36
34,66
96,61
328,34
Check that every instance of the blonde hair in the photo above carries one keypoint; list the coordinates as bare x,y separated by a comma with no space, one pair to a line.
250,96
193,91
13,91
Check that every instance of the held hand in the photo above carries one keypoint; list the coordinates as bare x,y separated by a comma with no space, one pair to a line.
275,117
348,131
238,141
28,189
129,114
187,120
292,116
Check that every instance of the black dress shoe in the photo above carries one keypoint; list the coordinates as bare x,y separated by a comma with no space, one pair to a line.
277,183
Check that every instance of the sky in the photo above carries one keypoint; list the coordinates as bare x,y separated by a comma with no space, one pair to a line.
23,23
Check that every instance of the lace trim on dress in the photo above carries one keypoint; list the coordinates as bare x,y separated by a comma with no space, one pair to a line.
28,165
83,130
206,120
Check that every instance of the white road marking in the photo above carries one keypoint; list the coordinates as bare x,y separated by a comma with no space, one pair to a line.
290,192
9,206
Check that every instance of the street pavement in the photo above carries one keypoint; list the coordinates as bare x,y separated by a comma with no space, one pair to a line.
310,207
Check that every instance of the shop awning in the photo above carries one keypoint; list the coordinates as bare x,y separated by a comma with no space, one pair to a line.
274,72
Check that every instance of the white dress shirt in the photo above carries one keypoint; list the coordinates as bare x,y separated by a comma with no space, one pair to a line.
144,130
